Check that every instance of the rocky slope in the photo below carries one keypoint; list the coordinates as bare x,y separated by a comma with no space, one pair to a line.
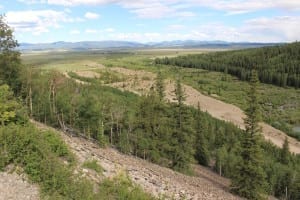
157,180
16,187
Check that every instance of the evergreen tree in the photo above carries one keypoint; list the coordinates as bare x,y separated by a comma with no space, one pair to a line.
160,86
182,134
202,153
250,180
9,58
285,152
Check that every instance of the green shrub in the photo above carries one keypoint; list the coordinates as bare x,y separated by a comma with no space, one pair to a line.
34,151
92,164
121,188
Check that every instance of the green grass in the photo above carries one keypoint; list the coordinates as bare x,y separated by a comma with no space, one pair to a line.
92,164
122,188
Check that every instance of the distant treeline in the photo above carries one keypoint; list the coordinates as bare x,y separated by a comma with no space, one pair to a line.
278,65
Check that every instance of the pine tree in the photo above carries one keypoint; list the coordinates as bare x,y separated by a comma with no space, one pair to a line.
202,153
285,152
182,134
250,180
160,86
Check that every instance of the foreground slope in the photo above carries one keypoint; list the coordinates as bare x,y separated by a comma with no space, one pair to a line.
157,180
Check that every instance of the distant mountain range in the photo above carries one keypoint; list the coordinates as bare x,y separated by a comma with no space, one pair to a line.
90,45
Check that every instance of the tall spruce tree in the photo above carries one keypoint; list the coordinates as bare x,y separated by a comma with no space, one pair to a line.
160,86
285,152
250,180
182,134
202,153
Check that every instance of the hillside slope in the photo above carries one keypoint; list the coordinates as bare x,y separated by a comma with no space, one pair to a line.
157,180
138,84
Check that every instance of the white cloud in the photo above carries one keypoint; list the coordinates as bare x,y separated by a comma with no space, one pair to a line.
74,32
142,8
283,28
38,21
79,2
90,15
225,5
276,29
156,9
241,6
229,6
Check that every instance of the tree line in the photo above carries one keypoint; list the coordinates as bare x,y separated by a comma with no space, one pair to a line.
277,65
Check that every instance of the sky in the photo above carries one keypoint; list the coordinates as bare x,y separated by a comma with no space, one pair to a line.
43,21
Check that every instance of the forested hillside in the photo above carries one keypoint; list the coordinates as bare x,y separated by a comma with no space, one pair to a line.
278,65
169,134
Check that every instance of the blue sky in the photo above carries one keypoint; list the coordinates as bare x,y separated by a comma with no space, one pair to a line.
39,21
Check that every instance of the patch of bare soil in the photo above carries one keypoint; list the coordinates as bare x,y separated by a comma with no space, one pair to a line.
137,81
157,180
16,187
88,74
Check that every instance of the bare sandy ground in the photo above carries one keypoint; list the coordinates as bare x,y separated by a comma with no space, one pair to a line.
15,187
140,82
88,74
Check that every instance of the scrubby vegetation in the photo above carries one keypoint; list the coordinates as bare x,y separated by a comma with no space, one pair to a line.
92,164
